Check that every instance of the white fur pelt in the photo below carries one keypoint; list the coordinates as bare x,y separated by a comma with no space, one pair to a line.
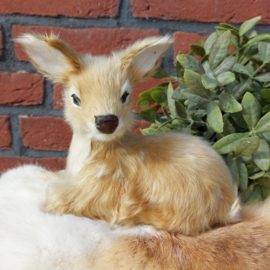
31,239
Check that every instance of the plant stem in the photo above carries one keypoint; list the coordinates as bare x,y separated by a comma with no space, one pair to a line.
164,124
255,72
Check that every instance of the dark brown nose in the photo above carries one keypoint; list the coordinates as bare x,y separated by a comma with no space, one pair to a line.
106,124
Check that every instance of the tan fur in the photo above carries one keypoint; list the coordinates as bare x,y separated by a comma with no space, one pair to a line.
241,246
173,181
180,193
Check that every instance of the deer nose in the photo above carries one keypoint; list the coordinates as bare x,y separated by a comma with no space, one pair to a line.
106,124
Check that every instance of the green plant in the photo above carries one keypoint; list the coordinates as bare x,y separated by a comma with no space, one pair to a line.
225,98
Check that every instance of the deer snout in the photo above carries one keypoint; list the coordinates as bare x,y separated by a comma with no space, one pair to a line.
106,124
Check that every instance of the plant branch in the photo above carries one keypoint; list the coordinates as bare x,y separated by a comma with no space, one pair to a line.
258,69
164,124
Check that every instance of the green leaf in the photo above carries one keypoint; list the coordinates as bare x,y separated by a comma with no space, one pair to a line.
243,174
266,136
252,169
229,87
193,80
220,49
156,108
239,120
265,77
228,26
160,73
248,54
147,94
262,156
207,68
190,62
256,196
214,117
245,195
264,181
160,97
253,34
265,191
201,42
209,81
148,115
248,160
228,127
264,124
149,131
225,78
257,175
240,89
228,143
265,93
171,102
177,93
205,58
247,25
209,42
267,85
260,37
251,110
264,51
191,96
226,65
177,66
240,69
247,146
234,171
180,110
166,113
145,102
266,109
198,50
228,103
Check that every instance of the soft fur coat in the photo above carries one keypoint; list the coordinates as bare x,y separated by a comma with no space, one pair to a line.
31,239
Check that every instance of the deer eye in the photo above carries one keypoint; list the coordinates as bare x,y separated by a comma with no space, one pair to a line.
124,97
76,100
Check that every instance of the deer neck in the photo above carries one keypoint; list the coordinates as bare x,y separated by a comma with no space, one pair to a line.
79,151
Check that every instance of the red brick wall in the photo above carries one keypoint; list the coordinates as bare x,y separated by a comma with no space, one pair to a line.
32,129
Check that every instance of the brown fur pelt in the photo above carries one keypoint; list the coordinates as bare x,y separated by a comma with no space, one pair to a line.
174,181
241,246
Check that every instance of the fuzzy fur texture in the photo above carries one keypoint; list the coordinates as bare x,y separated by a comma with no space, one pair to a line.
174,182
31,239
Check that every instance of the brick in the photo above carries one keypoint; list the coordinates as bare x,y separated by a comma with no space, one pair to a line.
53,164
202,10
1,43
45,133
7,163
5,135
144,86
140,125
70,8
58,103
21,88
183,41
96,41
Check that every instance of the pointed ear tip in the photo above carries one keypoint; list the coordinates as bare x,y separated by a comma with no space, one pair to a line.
167,39
28,38
24,38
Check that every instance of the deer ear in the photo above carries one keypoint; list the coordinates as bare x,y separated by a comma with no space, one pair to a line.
143,57
51,56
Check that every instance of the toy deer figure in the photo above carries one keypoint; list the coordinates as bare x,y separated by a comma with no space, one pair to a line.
172,181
